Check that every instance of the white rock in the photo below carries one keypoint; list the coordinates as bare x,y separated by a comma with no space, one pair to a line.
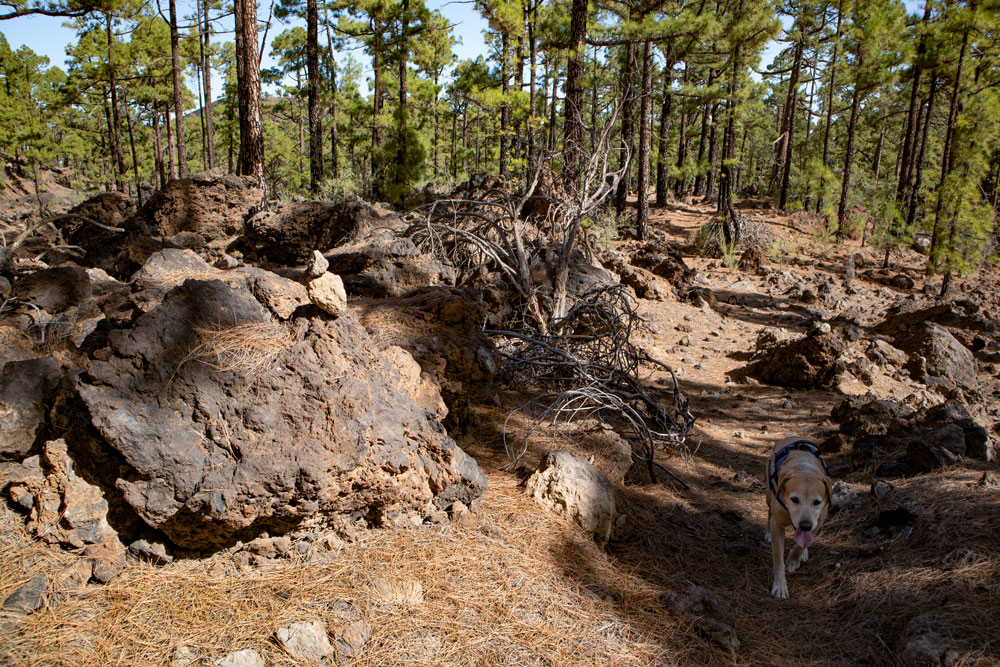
569,485
328,293
245,658
306,641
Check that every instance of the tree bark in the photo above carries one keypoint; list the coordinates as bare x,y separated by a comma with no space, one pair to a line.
852,125
504,107
791,103
829,109
918,171
642,214
680,188
628,128
312,73
574,95
206,70
178,98
115,121
661,154
251,156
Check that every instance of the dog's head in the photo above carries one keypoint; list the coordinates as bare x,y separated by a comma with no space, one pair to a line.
806,497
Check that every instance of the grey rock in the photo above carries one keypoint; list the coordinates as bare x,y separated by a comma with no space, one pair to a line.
26,390
30,597
154,551
306,641
328,293
317,265
350,639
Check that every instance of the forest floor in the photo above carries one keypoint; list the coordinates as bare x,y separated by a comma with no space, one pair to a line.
515,585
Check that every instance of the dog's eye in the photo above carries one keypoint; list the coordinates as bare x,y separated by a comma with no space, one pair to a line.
817,502
795,500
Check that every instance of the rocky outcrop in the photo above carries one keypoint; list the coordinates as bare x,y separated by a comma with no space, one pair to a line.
289,234
569,485
811,362
899,441
385,266
330,435
964,317
938,357
211,205
26,391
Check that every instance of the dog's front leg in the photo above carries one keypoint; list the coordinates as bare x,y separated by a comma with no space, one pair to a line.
779,587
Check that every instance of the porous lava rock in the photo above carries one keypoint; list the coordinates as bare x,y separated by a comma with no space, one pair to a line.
26,391
382,265
211,204
209,452
811,362
288,234
569,485
945,359
964,317
101,243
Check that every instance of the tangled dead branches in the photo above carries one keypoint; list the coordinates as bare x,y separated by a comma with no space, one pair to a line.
589,356
753,232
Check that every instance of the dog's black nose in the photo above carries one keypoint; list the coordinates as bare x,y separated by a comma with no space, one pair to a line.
805,526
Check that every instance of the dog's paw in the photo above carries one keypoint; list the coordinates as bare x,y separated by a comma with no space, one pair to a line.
767,536
779,589
792,565
805,556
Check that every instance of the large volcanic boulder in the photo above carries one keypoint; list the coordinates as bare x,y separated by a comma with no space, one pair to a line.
384,265
290,233
964,316
113,212
811,362
211,205
935,352
26,389
224,423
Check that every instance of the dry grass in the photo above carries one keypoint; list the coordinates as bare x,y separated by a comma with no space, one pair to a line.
249,349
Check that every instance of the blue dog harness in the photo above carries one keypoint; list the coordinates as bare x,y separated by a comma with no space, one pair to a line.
779,459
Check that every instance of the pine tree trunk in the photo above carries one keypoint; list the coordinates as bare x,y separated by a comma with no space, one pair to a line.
171,168
681,187
710,180
312,73
627,131
852,125
946,153
553,107
251,156
334,158
573,110
642,214
115,122
918,170
661,156
437,134
829,109
206,70
593,107
178,99
791,103
158,151
908,151
377,48
504,107
725,211
532,85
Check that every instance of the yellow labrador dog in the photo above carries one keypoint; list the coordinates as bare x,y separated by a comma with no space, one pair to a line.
798,495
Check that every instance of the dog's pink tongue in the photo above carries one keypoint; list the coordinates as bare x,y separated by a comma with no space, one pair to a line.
803,539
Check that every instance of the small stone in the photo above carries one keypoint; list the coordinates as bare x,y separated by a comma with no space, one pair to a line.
350,639
245,658
317,265
30,597
786,404
72,579
685,341
155,552
328,293
880,489
306,641
739,435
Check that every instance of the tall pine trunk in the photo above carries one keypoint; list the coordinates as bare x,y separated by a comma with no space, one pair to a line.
206,70
791,103
312,73
628,128
178,99
852,125
661,154
574,95
642,214
251,156
829,110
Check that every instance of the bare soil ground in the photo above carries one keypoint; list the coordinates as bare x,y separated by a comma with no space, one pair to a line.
516,586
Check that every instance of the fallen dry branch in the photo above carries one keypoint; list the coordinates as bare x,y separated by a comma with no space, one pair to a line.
249,349
590,356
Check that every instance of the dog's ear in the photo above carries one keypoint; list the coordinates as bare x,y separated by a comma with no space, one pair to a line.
829,490
782,481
